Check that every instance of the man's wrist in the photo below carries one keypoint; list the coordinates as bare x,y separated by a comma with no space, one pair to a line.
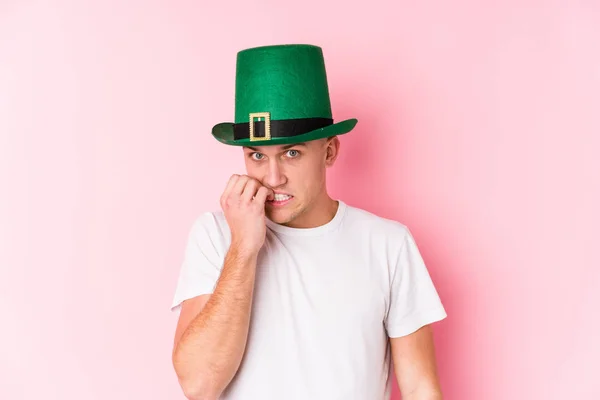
242,253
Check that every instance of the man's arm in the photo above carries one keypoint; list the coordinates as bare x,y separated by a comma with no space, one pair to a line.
208,350
415,365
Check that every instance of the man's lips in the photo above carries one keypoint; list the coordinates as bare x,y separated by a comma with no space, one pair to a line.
280,198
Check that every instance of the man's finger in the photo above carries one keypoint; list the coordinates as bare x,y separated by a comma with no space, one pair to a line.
250,190
263,195
230,183
238,187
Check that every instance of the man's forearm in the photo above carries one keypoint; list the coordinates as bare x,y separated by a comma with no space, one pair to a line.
424,394
211,349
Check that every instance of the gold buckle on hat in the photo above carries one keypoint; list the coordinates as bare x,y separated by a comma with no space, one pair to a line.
267,117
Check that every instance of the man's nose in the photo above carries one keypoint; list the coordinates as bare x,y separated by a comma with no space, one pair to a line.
275,176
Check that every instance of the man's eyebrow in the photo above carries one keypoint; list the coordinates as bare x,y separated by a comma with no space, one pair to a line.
288,146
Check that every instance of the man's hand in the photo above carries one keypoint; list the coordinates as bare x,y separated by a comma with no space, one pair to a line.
243,203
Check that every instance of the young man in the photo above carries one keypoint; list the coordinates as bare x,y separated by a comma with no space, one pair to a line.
287,293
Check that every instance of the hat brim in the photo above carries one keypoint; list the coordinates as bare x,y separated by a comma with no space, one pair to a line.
223,132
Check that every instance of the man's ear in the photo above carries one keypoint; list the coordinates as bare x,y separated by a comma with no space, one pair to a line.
331,150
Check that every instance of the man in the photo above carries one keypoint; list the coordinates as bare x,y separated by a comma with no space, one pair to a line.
287,293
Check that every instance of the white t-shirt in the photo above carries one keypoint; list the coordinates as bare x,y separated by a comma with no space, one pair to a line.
326,301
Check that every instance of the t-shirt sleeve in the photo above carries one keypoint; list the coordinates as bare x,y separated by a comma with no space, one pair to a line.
202,261
414,301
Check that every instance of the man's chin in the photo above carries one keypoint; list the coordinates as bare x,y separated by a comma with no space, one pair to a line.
279,216
276,217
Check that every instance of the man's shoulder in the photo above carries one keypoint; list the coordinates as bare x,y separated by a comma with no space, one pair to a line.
364,220
210,223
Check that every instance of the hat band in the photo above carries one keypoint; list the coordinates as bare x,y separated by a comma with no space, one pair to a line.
280,128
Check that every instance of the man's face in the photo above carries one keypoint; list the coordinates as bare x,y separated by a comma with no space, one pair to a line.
296,173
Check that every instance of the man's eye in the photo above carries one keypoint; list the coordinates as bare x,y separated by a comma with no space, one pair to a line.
256,156
293,153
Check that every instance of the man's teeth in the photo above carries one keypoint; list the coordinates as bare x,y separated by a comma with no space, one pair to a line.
281,197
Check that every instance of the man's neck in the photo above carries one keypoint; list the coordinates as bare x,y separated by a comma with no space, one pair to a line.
320,213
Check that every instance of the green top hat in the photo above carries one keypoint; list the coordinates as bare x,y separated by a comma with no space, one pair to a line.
281,97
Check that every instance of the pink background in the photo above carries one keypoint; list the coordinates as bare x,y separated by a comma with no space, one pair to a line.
478,128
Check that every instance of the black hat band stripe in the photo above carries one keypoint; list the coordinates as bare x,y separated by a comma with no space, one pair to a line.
281,128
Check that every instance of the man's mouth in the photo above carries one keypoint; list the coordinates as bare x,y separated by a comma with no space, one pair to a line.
280,199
